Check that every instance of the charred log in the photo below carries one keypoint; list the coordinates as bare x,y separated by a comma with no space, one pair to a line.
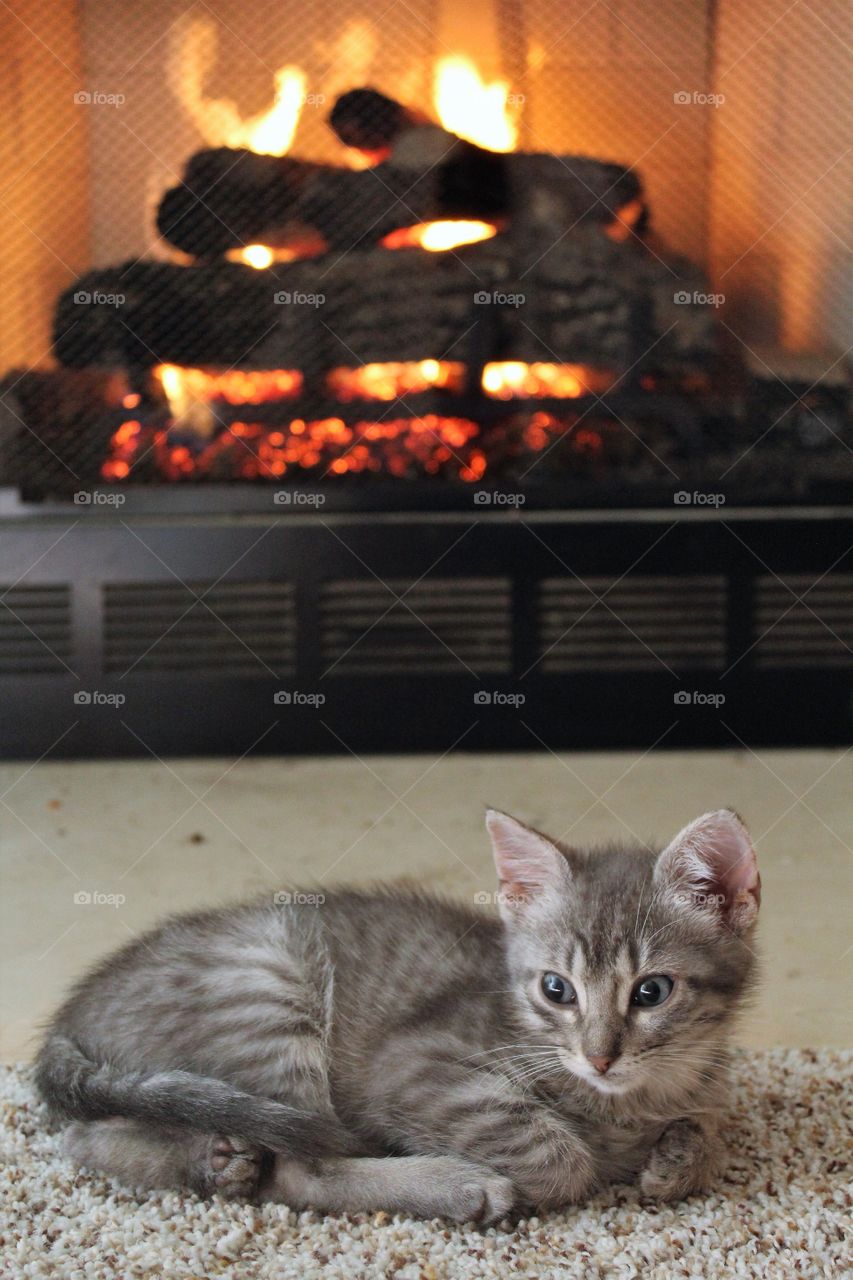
231,198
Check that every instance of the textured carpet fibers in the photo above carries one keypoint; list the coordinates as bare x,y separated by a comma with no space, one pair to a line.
782,1209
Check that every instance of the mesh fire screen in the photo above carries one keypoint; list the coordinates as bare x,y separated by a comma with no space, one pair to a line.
248,241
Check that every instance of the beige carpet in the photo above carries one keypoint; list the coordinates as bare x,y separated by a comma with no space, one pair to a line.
782,1210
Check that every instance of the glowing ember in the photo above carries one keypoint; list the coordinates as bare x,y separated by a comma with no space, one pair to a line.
439,236
388,381
186,388
472,109
430,445
256,255
512,379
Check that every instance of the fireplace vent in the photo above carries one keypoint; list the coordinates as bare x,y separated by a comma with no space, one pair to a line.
802,623
444,625
235,628
35,630
636,623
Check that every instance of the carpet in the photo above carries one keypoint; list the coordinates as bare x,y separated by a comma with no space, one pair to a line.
782,1210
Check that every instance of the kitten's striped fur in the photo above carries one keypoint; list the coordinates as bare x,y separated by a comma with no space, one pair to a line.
392,1050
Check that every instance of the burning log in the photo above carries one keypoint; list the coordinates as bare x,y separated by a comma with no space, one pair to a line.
232,198
587,300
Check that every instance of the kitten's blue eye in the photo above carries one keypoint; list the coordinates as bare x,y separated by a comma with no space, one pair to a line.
652,991
558,989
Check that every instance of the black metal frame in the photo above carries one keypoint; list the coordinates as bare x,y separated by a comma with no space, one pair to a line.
200,713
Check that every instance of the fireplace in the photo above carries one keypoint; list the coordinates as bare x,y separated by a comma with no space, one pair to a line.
426,367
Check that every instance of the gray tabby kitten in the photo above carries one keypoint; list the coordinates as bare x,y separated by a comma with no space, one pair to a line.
389,1050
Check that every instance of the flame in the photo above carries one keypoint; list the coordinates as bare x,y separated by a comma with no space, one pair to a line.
191,59
388,381
439,236
258,256
512,379
471,108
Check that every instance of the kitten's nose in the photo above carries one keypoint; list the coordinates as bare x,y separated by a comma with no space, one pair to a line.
602,1065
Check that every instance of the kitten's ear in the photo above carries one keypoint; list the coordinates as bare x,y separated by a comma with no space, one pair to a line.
711,865
529,866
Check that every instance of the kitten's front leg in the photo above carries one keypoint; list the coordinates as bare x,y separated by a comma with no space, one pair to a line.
427,1099
685,1159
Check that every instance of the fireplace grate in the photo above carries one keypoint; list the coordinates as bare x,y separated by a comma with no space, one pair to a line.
804,623
638,623
35,630
218,629
441,626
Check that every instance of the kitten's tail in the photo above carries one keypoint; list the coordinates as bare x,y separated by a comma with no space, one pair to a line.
75,1088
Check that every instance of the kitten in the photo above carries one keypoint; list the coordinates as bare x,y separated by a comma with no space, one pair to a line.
389,1050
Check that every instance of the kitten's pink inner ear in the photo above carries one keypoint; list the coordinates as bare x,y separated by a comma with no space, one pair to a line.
713,859
527,863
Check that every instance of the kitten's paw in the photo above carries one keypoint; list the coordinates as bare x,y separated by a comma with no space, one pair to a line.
482,1199
233,1168
682,1162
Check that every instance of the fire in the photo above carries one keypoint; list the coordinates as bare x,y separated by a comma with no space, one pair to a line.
192,55
439,236
471,108
388,381
253,451
513,379
191,393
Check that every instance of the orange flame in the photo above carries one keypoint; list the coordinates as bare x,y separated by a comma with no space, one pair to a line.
439,236
471,108
513,379
388,381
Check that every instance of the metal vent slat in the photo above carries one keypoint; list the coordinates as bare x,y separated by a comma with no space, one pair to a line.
441,626
238,628
638,623
35,630
800,622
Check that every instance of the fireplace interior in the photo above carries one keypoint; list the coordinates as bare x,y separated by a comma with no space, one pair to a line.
414,355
